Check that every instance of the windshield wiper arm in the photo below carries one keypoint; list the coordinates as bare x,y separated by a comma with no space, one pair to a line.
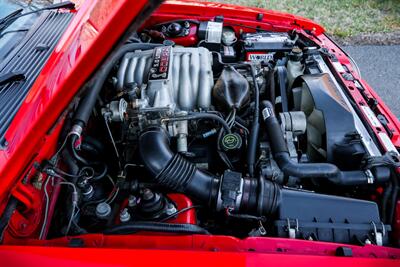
12,77
11,15
10,18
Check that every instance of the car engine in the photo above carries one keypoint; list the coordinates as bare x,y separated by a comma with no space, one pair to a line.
239,133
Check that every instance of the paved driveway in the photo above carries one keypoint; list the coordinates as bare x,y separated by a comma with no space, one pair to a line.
380,67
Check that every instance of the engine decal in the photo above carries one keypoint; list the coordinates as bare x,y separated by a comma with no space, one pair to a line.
260,57
161,62
214,32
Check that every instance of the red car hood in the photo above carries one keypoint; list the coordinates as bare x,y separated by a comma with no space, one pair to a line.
95,29
60,257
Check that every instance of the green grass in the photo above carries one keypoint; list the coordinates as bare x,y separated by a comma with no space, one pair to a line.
339,17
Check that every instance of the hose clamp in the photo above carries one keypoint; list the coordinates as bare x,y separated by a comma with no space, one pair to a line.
370,177
266,113
76,130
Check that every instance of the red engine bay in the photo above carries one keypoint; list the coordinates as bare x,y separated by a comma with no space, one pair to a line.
166,163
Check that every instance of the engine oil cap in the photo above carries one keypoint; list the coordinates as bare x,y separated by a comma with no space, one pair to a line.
231,141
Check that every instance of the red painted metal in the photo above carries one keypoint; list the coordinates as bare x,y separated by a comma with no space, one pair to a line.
217,244
66,257
25,221
190,40
396,230
272,20
94,30
183,202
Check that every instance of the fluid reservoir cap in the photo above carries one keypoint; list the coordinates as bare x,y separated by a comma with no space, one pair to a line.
231,141
103,210
228,36
296,54
174,29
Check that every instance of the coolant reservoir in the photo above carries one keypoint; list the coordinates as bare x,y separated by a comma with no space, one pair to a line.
294,66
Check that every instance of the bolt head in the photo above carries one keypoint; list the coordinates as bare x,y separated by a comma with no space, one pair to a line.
147,194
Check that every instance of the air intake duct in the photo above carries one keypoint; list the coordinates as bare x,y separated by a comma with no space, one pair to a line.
171,170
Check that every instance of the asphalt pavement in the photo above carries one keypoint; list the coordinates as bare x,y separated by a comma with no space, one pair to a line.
380,67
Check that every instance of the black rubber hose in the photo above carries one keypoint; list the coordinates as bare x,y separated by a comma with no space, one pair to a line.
72,166
88,102
394,195
129,228
6,216
255,128
172,170
304,170
384,202
74,153
271,86
202,115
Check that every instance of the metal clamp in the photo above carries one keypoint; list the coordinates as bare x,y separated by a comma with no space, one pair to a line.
370,177
292,231
379,235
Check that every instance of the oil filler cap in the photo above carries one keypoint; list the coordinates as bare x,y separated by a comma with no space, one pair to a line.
231,141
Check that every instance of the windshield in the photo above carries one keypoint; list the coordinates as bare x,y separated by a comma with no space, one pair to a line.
27,38
13,34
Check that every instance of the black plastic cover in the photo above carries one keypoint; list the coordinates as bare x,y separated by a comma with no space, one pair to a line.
329,218
338,120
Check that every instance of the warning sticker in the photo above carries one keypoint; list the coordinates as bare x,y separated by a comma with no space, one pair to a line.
214,32
260,57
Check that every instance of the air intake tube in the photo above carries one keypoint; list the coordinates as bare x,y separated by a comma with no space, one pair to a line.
171,170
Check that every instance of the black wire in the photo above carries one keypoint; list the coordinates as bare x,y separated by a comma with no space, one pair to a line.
74,138
6,216
63,173
202,115
14,31
179,212
177,228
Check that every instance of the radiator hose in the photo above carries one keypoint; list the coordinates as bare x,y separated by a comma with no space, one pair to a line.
324,171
